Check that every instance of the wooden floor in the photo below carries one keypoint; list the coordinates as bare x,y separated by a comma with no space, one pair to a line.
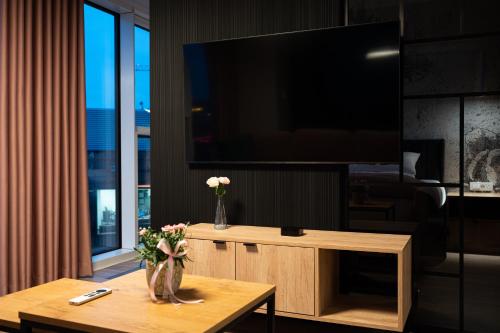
438,298
114,271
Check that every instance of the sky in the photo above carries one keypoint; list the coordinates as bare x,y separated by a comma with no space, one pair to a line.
141,54
100,61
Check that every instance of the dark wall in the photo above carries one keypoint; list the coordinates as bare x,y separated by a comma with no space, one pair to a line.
308,197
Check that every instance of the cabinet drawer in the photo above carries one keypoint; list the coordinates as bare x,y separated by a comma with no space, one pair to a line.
291,269
211,258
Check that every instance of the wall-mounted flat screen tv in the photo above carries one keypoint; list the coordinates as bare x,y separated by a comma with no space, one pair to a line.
318,96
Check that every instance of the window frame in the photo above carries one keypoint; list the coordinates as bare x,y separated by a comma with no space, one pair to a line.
142,23
126,19
118,150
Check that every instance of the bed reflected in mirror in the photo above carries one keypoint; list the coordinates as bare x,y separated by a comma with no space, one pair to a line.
408,198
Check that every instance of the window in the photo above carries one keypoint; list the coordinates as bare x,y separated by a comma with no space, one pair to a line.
101,67
142,91
143,123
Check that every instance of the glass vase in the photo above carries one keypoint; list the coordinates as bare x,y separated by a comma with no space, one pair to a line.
220,222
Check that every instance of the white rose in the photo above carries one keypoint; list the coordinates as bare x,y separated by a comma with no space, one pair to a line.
213,182
224,180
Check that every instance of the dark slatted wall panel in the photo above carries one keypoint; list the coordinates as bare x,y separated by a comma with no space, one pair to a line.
257,196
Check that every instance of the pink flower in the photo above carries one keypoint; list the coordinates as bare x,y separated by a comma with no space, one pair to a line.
180,226
168,228
142,232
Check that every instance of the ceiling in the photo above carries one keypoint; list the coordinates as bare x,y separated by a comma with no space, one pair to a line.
138,7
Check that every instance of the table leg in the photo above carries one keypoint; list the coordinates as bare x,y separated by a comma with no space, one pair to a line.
270,313
25,327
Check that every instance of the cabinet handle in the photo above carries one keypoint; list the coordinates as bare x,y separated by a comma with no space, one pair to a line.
219,242
249,244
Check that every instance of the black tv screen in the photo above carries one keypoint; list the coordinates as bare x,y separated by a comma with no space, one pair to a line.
318,96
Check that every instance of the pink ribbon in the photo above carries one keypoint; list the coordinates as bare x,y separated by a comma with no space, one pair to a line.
167,286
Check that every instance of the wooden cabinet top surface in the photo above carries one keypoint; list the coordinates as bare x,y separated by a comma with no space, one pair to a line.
338,240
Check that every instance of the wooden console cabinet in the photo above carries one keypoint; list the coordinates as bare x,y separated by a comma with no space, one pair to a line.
218,259
305,271
292,268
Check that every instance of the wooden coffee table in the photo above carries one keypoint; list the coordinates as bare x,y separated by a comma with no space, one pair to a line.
11,304
129,308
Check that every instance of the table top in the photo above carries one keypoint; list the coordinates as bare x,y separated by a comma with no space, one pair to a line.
129,308
11,304
323,239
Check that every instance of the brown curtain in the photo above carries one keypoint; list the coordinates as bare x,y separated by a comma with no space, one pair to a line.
44,212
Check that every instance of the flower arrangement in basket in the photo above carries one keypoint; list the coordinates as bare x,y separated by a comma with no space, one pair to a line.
164,252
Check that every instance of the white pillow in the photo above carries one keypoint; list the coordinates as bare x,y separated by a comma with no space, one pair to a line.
409,166
409,162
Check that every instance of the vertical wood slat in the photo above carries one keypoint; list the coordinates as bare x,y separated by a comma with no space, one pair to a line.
272,196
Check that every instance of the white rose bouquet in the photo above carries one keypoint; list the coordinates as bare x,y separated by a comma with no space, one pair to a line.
218,183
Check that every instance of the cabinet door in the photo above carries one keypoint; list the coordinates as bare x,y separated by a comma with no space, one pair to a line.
211,258
291,269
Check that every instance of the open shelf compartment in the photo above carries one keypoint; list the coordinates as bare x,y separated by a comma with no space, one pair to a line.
353,308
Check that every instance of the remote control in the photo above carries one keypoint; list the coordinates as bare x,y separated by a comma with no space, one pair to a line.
90,296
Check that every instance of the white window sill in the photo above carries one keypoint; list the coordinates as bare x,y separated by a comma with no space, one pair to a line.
111,258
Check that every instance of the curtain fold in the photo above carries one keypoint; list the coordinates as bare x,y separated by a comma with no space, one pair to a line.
44,205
